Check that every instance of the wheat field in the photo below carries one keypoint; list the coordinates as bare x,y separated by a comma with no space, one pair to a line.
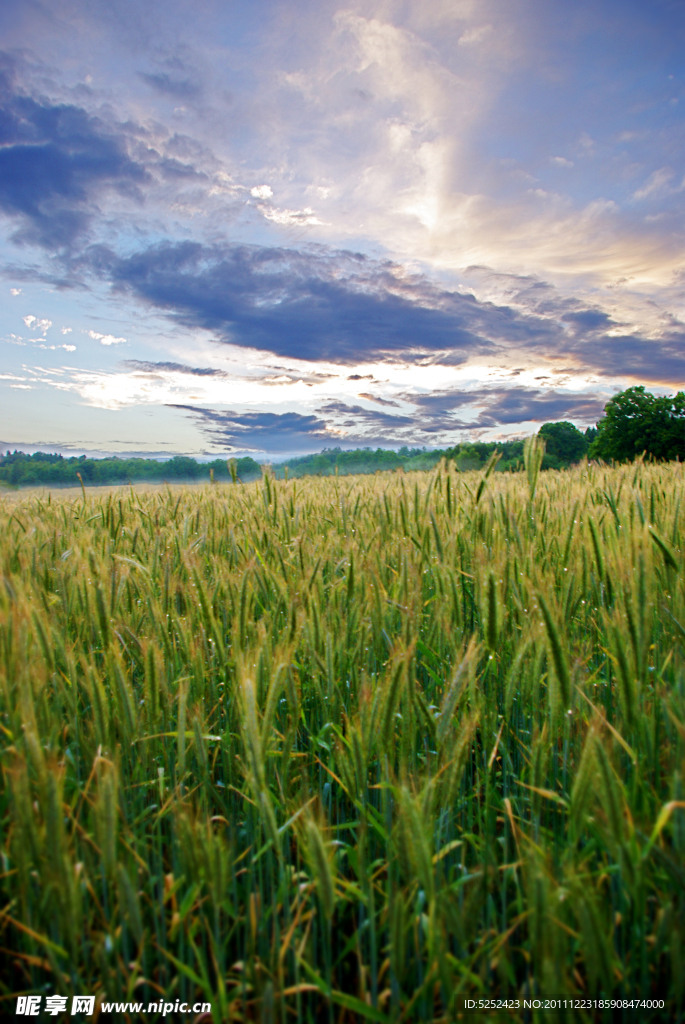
346,749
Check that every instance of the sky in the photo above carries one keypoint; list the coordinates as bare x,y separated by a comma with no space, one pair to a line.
272,227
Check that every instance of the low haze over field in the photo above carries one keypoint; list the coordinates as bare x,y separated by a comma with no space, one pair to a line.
273,227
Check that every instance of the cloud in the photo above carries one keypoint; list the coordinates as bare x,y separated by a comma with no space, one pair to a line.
656,183
326,305
263,431
588,319
289,432
289,218
650,360
106,339
175,170
55,159
14,339
443,403
15,291
171,85
34,324
475,35
166,367
355,418
315,304
379,401
484,408
505,406
261,192
177,75
634,338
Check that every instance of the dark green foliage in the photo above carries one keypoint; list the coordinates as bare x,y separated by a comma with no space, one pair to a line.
475,454
636,421
19,469
565,444
360,460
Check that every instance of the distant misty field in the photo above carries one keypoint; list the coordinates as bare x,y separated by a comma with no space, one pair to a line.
346,748
56,492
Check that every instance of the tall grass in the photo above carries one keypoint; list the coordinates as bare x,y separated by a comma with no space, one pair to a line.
346,749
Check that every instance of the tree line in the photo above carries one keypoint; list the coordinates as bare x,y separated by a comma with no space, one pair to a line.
19,469
565,445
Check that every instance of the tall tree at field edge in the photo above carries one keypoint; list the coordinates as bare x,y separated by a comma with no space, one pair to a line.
636,421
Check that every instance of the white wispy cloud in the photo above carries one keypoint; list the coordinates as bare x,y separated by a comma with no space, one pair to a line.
106,339
36,324
289,217
656,183
475,35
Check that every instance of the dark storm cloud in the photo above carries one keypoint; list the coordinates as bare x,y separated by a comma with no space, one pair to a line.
322,304
492,407
332,423
267,431
355,417
588,320
55,159
590,335
658,360
442,402
316,304
518,405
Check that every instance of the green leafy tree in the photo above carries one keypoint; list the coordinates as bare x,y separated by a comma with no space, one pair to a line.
636,421
565,444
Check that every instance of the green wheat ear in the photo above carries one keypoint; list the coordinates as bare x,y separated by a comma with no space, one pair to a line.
321,866
610,795
398,933
414,833
393,687
128,898
558,651
596,939
453,693
107,815
533,454
625,676
493,614
583,792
